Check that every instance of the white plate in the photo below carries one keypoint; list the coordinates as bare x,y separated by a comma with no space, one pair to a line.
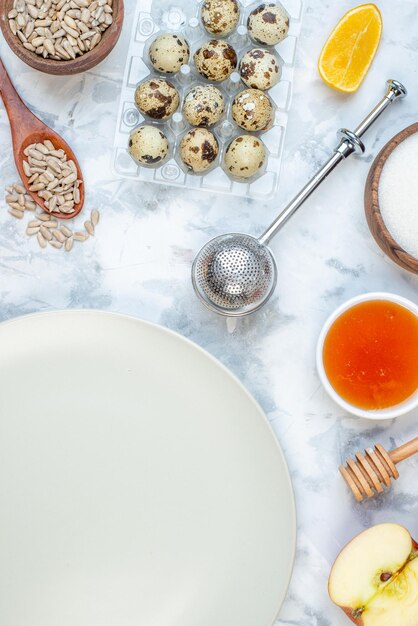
140,484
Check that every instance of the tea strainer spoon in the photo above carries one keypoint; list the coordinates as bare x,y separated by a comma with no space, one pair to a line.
236,274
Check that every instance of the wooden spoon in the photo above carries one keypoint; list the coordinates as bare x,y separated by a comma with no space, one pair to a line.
368,473
28,129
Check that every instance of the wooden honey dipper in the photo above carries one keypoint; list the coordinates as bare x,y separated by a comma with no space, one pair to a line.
369,473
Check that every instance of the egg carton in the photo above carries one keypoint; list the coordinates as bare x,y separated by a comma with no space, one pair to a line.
154,17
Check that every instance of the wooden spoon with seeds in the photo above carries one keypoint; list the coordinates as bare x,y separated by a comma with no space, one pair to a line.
27,129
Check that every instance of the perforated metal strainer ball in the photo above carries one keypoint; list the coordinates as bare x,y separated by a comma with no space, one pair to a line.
236,274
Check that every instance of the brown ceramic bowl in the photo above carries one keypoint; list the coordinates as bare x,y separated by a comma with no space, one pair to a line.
80,64
374,217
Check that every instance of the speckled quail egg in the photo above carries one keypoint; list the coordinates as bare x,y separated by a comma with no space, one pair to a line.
157,98
168,53
148,145
268,24
245,156
252,110
220,17
203,105
260,69
199,149
215,60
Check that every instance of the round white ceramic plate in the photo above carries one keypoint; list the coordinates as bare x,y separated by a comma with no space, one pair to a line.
140,484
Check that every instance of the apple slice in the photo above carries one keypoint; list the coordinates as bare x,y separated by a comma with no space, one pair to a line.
398,602
375,578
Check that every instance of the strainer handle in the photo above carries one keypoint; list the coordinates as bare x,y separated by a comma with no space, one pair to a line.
350,141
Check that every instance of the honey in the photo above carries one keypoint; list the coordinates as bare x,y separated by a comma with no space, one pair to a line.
370,354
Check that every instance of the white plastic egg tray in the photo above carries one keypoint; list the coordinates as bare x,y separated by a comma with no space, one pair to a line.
154,17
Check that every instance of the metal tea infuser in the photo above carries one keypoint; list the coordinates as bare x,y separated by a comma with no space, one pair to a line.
236,274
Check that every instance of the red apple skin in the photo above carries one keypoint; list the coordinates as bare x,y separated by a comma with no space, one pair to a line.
348,612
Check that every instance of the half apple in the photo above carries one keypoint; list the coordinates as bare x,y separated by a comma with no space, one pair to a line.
375,578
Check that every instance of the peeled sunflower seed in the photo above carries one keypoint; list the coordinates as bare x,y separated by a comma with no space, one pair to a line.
41,240
55,244
89,227
69,244
32,231
80,236
95,217
16,213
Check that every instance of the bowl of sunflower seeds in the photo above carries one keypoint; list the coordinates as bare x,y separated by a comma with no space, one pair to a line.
61,36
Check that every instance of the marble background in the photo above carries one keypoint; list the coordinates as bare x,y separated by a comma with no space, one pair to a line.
139,263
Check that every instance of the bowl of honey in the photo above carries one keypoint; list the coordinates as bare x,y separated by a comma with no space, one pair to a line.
367,356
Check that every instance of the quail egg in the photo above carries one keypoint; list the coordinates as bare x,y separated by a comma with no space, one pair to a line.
215,60
268,24
260,69
220,17
245,156
148,145
252,110
168,53
203,105
199,149
157,98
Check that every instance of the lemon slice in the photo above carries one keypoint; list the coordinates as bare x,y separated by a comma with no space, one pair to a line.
351,47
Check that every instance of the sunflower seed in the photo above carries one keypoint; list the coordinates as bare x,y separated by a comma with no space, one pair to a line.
95,217
13,26
52,203
38,41
43,217
49,47
45,194
54,164
36,154
16,213
54,183
67,232
42,148
26,168
69,179
21,36
69,244
95,40
89,227
55,244
41,240
46,234
34,224
15,205
37,187
80,236
60,154
32,230
59,236
19,188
